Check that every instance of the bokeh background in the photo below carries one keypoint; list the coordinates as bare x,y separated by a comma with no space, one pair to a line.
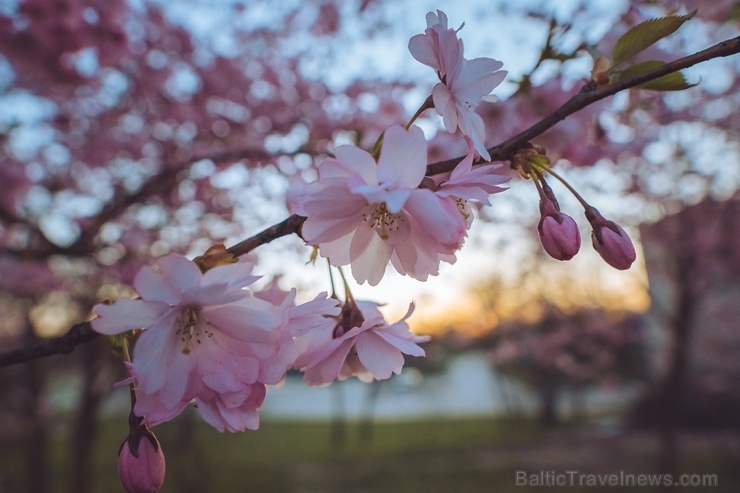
130,129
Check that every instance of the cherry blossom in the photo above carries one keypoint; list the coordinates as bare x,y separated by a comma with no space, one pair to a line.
362,345
463,83
206,339
467,183
367,214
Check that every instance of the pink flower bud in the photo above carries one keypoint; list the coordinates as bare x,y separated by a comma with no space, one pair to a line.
611,241
140,460
558,232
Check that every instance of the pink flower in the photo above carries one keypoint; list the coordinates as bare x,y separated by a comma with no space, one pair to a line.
463,82
367,214
362,345
141,464
206,339
558,232
611,241
466,184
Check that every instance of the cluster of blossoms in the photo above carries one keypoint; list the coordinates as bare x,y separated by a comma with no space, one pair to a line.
205,338
366,214
367,210
209,340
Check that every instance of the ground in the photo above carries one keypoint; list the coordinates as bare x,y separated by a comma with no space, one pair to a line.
474,455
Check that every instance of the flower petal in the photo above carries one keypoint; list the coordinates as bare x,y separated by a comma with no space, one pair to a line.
378,356
444,103
403,157
152,286
179,272
127,314
370,255
359,161
438,216
324,367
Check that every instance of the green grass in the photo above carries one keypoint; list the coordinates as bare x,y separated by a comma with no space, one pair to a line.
435,456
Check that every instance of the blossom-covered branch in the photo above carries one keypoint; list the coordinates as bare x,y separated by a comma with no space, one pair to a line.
506,149
589,95
82,333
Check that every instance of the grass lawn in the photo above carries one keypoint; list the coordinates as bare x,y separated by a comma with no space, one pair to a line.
454,455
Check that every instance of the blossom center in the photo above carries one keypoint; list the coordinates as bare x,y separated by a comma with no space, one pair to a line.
190,327
383,221
462,206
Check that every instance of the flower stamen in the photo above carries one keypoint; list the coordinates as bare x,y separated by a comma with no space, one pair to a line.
189,327
382,221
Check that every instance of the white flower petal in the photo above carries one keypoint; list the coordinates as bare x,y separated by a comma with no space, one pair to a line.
444,103
422,50
181,273
403,157
370,255
152,286
477,78
358,160
127,314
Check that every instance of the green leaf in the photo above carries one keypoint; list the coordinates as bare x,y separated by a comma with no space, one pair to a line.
645,34
674,81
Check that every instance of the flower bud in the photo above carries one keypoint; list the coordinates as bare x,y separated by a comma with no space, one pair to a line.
141,464
611,241
558,232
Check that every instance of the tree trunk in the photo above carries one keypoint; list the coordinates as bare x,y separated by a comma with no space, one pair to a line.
86,426
670,399
548,404
338,436
37,459
366,422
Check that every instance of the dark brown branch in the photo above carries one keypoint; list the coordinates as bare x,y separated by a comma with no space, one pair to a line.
82,333
78,334
505,150
290,225
587,96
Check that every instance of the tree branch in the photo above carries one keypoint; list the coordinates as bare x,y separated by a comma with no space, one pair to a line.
78,334
590,95
290,225
82,333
